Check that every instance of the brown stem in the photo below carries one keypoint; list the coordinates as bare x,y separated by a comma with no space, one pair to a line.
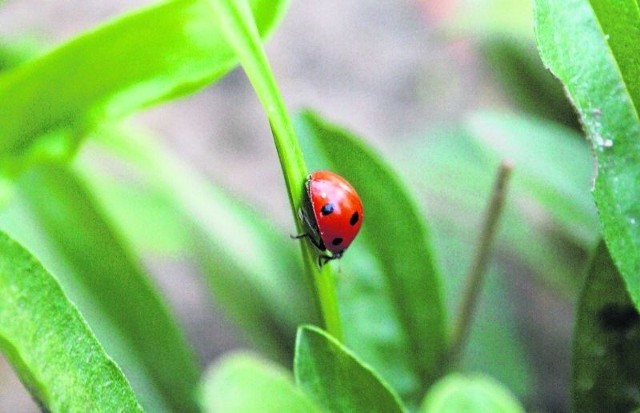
478,269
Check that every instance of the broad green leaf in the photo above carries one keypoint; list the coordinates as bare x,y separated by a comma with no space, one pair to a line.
243,383
337,379
469,393
50,345
154,54
390,289
251,266
592,48
606,346
118,300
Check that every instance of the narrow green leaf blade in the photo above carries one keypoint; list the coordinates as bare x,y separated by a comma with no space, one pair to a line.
390,289
470,394
243,383
336,379
118,300
592,47
145,57
50,345
606,346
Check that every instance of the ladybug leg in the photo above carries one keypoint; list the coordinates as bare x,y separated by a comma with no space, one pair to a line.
311,239
324,258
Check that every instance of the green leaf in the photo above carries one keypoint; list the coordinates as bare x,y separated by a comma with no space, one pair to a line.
337,379
592,47
250,265
606,346
469,393
118,300
389,287
171,49
242,382
50,345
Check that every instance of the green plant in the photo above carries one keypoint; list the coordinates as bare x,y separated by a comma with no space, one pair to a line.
86,329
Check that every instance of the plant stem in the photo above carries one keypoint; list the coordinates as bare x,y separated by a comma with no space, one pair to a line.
477,270
236,21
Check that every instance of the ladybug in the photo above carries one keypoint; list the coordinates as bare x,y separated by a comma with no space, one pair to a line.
331,214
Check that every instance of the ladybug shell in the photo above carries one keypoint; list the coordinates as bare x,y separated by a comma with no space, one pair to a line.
333,211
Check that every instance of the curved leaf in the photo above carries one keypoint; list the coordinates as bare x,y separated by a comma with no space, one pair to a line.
606,346
336,379
592,47
50,345
242,383
470,394
157,53
390,289
118,300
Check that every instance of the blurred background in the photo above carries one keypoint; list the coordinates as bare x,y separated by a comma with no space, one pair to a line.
397,72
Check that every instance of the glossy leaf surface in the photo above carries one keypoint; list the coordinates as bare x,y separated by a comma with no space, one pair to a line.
592,47
50,345
337,379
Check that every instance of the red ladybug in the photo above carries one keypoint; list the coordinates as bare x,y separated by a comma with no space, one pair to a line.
331,214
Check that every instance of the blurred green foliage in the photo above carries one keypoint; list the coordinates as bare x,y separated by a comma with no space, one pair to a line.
396,286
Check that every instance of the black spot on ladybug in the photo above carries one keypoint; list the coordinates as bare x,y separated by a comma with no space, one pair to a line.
327,209
336,241
616,317
354,218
